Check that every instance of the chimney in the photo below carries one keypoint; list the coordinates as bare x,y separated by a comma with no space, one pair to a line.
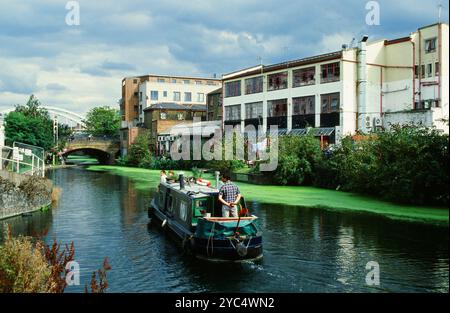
362,83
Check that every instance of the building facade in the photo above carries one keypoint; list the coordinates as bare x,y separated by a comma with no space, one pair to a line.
142,92
375,85
214,103
160,117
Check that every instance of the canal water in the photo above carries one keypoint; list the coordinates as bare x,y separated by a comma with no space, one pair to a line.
305,250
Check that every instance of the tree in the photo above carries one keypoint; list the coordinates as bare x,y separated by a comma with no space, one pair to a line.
30,124
101,121
139,151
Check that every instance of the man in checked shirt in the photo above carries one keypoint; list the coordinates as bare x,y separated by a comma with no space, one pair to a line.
230,196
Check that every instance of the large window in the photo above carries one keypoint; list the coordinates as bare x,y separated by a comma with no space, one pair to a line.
277,108
430,45
200,97
253,110
176,96
330,103
233,89
303,105
304,77
436,69
331,72
233,113
430,70
254,85
278,81
188,96
154,95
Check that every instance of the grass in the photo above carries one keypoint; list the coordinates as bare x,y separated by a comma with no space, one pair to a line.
301,196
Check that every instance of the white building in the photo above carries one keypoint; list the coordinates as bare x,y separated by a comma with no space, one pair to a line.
375,85
180,90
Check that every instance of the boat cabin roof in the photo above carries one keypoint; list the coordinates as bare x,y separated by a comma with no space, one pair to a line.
192,190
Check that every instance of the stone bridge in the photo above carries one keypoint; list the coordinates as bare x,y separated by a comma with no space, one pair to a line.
105,150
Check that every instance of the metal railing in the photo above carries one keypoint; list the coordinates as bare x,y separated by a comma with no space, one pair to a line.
22,161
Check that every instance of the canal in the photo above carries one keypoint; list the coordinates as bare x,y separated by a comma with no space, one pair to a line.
305,250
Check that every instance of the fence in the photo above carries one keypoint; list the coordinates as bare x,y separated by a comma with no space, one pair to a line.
22,159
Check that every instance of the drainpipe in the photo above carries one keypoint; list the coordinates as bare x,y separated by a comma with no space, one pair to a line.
440,62
414,73
381,92
420,68
362,84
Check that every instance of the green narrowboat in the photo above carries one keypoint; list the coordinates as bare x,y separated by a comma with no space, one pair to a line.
192,212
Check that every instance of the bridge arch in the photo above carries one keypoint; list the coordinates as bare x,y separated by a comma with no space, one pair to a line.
105,150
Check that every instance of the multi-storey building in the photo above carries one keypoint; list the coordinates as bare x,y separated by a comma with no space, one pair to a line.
375,85
161,117
141,92
214,105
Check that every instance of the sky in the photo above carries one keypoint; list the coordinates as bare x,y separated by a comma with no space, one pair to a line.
78,67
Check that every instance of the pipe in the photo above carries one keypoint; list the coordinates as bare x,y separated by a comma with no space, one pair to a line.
381,92
414,73
440,61
362,83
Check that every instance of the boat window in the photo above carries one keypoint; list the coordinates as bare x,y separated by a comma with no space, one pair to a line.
201,203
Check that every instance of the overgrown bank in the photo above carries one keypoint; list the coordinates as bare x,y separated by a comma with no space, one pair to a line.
301,196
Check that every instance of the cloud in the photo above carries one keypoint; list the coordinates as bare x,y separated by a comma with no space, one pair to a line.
82,66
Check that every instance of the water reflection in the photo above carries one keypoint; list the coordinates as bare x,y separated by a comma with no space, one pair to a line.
305,250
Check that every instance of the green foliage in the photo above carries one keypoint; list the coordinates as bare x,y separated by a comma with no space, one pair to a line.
298,158
103,121
408,164
31,124
33,130
139,151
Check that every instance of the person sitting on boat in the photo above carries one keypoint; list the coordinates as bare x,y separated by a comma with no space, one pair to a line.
229,195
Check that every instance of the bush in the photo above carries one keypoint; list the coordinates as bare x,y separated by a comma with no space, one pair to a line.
298,157
408,164
139,150
23,268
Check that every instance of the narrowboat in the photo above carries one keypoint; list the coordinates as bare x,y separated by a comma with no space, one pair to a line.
191,211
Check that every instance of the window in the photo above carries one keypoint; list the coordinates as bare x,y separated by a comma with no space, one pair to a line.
174,81
436,69
188,96
253,110
422,71
210,83
163,116
416,71
303,105
176,96
233,113
430,45
135,81
254,85
154,95
161,80
165,94
330,103
331,72
304,77
200,97
140,96
430,70
198,82
180,116
186,81
278,81
233,89
277,108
